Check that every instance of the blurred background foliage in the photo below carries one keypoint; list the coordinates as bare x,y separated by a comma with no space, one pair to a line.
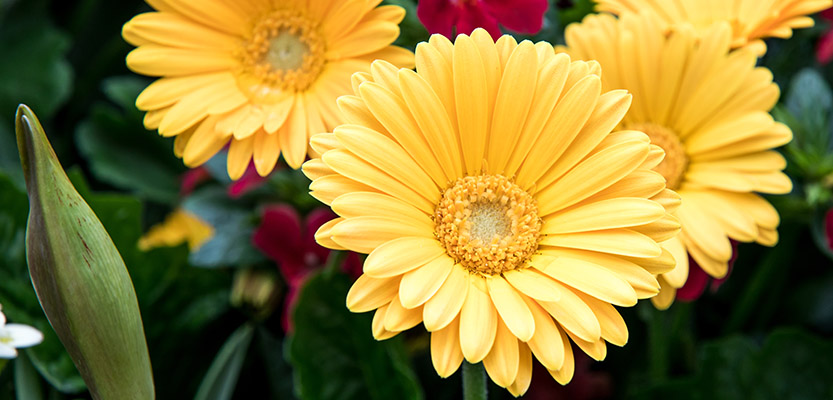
767,333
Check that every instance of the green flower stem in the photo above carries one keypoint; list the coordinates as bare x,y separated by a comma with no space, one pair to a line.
659,343
758,296
474,381
3,363
334,261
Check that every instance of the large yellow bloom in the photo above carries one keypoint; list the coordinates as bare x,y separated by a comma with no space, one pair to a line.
751,20
495,204
261,76
707,107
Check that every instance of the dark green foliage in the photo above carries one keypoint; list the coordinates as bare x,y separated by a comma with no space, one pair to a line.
335,357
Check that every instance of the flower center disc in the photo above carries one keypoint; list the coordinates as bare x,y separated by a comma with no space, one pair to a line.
675,163
487,224
284,53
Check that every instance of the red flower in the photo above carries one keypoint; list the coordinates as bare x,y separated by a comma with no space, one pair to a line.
824,47
442,16
292,246
191,179
828,228
697,280
250,180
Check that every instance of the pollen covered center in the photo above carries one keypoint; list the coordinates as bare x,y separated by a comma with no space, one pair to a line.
285,52
487,224
675,163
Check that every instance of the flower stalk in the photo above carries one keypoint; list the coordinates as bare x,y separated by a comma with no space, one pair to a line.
474,382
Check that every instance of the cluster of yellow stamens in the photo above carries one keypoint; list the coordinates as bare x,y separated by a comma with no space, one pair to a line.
487,224
675,163
285,51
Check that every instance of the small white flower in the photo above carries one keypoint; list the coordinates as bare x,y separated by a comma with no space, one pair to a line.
16,336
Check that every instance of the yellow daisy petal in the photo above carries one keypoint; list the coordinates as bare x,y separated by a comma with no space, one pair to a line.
533,284
596,349
447,302
396,257
368,293
398,318
471,97
574,314
666,295
592,279
524,376
421,284
502,361
629,211
546,342
446,354
511,308
364,234
478,322
565,373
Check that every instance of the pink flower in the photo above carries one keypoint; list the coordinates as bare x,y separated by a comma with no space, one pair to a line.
697,280
282,237
191,179
249,181
828,228
442,16
824,47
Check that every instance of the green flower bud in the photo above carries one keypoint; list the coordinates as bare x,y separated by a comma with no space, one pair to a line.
79,276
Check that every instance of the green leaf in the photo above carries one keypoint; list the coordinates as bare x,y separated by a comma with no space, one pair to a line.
35,70
791,364
26,380
334,354
122,152
9,160
278,370
79,276
726,365
292,186
233,222
221,378
756,300
795,364
576,12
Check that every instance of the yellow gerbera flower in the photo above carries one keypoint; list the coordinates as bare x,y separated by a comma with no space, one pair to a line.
261,76
707,108
495,204
179,227
751,20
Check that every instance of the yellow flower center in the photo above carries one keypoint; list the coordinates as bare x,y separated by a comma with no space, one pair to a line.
675,163
285,52
487,224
